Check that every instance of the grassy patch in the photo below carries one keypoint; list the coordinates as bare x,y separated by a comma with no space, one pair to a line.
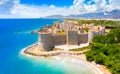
80,49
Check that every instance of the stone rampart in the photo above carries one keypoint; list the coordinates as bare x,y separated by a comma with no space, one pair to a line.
91,35
83,38
47,41
59,39
72,38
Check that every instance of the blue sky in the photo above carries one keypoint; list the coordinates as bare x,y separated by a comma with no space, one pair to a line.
42,8
48,2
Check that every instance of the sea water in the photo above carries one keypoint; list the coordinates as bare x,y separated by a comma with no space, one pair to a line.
15,35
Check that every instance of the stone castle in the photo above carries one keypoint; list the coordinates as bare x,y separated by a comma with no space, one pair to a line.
69,33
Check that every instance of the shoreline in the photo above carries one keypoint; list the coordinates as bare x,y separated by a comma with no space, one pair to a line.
102,69
22,51
79,56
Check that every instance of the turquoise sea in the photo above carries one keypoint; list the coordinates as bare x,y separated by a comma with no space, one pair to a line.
14,36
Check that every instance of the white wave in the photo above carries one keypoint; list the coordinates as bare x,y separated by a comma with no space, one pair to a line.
57,58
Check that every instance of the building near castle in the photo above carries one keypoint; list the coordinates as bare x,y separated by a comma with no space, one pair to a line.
69,33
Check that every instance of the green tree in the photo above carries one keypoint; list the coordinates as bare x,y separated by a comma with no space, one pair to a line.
90,55
100,58
99,39
109,54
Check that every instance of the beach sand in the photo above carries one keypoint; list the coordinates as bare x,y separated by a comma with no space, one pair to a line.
100,68
34,50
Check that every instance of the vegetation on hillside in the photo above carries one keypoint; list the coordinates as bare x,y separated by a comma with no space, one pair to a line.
98,22
105,50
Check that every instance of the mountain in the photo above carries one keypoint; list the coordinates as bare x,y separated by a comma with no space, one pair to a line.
114,14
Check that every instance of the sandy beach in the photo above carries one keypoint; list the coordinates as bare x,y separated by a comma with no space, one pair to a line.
100,68
34,50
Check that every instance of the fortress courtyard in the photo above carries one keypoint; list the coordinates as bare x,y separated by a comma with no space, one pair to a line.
69,47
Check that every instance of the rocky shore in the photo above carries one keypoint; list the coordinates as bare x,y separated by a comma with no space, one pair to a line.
35,50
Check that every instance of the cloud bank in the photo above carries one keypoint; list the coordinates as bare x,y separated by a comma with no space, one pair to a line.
13,8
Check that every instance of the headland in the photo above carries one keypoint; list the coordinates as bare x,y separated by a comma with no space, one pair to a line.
71,35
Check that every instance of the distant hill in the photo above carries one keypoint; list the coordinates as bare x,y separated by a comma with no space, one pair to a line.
114,14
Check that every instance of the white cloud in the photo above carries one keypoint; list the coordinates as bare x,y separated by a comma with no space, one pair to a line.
52,6
39,11
115,4
89,2
99,5
78,6
18,10
13,8
6,5
90,8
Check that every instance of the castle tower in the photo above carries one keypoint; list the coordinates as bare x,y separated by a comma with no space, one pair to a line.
46,41
72,37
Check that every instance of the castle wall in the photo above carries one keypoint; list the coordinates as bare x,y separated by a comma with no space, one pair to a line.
72,38
66,26
102,31
82,38
59,39
92,34
46,41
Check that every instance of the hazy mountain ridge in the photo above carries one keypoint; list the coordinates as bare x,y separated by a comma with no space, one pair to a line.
114,14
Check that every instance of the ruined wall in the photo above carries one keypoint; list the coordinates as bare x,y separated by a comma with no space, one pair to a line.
46,41
59,39
82,38
72,38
